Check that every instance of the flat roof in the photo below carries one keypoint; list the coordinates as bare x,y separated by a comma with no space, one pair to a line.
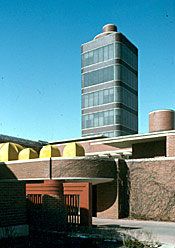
159,110
21,141
94,137
128,140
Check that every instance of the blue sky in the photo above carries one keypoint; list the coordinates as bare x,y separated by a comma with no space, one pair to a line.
40,47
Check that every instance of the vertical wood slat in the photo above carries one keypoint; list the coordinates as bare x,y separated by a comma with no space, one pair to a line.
73,211
34,200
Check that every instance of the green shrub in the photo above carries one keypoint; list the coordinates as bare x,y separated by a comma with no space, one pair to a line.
133,243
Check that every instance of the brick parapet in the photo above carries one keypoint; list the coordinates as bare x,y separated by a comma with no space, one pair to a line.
85,167
29,169
55,168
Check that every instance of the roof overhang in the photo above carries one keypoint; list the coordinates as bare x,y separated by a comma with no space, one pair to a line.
92,180
81,139
128,140
111,153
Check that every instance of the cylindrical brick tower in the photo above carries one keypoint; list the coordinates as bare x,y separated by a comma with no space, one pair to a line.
160,120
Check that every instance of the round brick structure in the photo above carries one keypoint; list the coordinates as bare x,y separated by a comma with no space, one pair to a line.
107,29
161,120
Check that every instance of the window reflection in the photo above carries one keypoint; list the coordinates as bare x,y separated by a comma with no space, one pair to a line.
125,75
126,119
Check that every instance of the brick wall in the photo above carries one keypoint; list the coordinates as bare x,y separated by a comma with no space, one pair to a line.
55,168
170,145
107,203
149,149
123,189
51,214
90,147
144,189
12,204
107,197
152,189
30,169
113,197
86,167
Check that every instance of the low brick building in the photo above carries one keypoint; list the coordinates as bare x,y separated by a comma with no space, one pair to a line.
145,183
126,176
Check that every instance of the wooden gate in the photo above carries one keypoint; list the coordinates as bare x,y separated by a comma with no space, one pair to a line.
72,203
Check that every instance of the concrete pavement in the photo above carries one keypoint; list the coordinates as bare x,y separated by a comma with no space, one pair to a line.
163,232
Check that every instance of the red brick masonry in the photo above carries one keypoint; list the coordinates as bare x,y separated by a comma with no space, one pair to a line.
142,188
152,188
52,212
170,146
12,204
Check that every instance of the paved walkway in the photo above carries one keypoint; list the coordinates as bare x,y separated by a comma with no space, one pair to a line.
164,232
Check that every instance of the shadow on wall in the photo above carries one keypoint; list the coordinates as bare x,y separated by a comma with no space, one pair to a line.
116,194
12,199
106,195
5,172
123,189
46,214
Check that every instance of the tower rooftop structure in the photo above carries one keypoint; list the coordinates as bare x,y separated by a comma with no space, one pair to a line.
107,29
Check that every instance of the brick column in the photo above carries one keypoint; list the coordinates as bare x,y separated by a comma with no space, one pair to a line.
84,190
170,146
